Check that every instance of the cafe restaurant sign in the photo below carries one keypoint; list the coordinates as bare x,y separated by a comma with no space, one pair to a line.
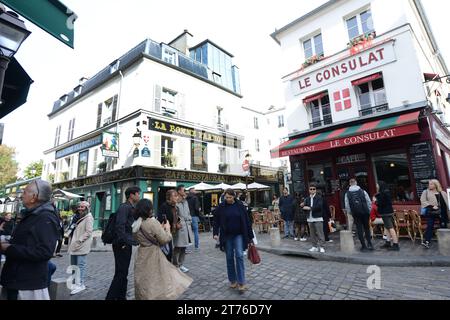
365,61
86,144
195,134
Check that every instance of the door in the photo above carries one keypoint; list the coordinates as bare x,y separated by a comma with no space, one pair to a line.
100,203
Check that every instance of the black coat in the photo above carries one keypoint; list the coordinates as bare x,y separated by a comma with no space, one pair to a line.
33,243
194,205
168,210
384,203
124,221
220,224
317,209
287,209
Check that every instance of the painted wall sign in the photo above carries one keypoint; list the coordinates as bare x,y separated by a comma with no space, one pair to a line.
79,147
367,60
110,144
353,140
187,132
145,152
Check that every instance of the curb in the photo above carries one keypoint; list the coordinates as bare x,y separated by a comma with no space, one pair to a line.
408,261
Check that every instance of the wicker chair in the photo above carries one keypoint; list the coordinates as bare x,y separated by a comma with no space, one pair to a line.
402,221
420,224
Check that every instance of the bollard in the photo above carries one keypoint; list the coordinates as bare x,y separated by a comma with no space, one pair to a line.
443,236
347,244
58,289
94,242
275,240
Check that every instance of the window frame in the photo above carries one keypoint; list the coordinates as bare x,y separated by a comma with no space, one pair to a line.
312,39
321,119
373,103
79,173
358,15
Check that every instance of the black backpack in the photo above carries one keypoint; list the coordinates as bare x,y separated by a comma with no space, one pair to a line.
109,234
358,204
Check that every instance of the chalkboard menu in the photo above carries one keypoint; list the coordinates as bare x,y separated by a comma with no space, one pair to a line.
298,176
422,165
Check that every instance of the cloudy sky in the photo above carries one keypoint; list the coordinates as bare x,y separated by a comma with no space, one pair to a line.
106,29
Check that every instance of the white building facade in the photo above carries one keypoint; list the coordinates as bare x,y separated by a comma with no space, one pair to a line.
364,99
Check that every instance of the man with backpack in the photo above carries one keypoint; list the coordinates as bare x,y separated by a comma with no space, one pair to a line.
358,204
122,243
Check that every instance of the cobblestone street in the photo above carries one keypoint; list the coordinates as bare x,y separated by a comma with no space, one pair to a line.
277,277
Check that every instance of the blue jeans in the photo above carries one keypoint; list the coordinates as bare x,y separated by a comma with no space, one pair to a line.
289,228
79,261
195,221
234,251
51,271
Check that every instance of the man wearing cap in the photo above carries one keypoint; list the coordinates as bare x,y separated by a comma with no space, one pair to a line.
33,242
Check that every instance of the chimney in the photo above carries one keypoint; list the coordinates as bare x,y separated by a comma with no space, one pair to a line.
182,42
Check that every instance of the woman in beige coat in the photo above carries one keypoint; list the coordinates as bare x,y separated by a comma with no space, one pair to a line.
80,244
155,278
434,199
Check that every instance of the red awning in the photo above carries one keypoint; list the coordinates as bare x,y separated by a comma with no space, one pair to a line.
372,77
432,77
314,97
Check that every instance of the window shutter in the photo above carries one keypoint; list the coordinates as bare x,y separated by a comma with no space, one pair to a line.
114,110
157,95
181,105
59,135
56,136
73,128
68,132
157,150
99,115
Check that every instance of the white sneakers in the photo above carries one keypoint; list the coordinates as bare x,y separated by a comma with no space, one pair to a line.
303,239
315,249
184,269
295,239
77,289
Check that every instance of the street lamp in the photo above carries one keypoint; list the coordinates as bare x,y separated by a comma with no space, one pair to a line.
12,34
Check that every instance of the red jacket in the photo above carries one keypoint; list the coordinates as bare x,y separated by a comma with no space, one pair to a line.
374,212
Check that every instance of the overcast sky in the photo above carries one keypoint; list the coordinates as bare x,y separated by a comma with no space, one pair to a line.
106,29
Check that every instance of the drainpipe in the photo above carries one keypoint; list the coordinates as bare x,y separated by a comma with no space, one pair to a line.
119,99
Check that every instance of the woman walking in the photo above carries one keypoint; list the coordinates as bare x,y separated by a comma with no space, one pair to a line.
386,211
232,223
80,243
155,278
435,201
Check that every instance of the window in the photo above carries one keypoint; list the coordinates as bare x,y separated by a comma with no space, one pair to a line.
95,162
280,121
270,142
169,55
321,175
360,24
372,97
166,151
222,155
320,112
107,111
57,135
257,145
113,67
71,129
83,163
255,123
199,156
168,105
313,46
393,169
219,115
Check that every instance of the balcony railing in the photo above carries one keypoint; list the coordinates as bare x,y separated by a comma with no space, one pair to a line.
365,111
326,121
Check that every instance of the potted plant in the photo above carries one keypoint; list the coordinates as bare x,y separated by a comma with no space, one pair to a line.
51,177
314,59
169,160
223,167
102,166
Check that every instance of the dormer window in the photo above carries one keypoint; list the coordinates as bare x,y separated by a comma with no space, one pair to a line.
113,67
77,90
64,98
360,24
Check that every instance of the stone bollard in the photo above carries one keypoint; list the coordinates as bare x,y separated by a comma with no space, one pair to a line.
443,236
275,239
58,289
94,242
347,244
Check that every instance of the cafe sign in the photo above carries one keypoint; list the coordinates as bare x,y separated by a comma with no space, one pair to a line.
195,134
86,144
351,158
354,65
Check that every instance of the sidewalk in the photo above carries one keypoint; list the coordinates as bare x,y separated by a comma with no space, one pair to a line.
410,254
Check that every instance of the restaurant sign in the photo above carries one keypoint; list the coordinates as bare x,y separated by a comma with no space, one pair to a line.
353,140
86,144
196,134
175,175
367,60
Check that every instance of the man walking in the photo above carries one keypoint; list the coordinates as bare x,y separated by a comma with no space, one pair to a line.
25,273
358,204
287,203
122,244
183,236
194,207
314,206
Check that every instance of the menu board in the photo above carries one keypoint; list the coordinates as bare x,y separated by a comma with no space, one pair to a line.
422,164
298,176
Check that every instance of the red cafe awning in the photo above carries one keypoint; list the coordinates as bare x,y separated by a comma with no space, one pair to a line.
372,77
314,97
387,128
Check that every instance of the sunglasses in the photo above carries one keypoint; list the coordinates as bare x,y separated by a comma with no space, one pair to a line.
312,189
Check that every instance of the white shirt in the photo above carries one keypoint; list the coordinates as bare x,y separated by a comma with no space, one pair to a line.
310,218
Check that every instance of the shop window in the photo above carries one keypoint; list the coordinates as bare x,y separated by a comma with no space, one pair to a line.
320,112
321,175
372,97
394,170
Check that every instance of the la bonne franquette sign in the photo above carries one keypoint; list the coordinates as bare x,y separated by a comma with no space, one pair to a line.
373,58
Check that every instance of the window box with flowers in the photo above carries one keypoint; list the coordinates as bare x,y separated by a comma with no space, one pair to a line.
362,42
312,60
169,160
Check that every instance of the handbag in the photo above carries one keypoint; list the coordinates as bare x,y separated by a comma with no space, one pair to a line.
164,247
435,213
253,254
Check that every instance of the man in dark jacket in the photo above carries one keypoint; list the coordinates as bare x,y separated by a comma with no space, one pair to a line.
122,244
313,205
25,273
194,208
287,209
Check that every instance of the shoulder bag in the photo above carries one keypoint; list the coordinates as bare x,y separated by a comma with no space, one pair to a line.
253,254
436,213
164,248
